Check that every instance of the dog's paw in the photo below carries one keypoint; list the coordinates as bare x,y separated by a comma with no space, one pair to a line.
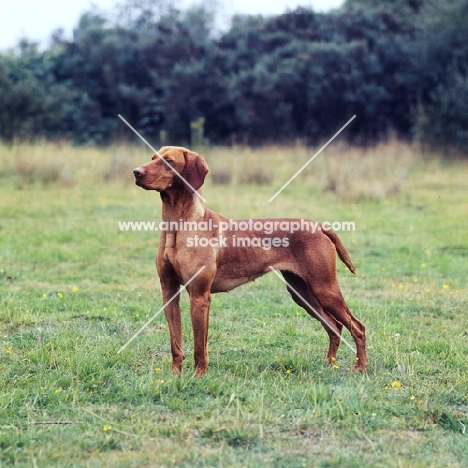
200,372
176,369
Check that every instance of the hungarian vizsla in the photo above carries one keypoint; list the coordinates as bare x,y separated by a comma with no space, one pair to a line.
215,254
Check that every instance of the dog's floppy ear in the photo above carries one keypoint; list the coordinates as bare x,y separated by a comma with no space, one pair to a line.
195,170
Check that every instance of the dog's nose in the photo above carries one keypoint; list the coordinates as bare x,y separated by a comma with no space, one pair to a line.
138,172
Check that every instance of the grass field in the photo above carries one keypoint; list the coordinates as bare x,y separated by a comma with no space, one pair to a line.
74,289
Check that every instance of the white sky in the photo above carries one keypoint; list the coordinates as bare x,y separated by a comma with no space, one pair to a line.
36,20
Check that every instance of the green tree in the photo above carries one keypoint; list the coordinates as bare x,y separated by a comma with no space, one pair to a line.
32,103
441,62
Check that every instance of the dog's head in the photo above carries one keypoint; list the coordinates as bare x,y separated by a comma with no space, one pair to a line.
172,167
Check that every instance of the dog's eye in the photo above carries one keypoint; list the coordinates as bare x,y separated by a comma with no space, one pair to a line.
170,162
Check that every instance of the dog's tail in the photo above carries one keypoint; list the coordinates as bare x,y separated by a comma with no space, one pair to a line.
341,249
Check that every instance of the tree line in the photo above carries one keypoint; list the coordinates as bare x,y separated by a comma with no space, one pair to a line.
401,67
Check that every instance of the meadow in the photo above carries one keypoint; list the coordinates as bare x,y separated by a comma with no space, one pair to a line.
74,289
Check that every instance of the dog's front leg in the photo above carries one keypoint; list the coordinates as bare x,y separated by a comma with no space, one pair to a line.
172,311
199,312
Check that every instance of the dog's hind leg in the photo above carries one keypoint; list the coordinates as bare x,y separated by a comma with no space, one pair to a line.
330,298
297,287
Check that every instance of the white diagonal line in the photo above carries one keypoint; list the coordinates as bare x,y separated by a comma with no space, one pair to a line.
312,158
321,317
161,309
160,157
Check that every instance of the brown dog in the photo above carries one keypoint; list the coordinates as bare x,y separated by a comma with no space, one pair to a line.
233,252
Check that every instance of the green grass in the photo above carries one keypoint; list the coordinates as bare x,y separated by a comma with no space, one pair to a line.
73,290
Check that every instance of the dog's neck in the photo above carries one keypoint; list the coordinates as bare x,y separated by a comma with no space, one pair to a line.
179,204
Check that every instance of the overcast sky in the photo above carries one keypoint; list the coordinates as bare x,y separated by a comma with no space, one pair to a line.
35,19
